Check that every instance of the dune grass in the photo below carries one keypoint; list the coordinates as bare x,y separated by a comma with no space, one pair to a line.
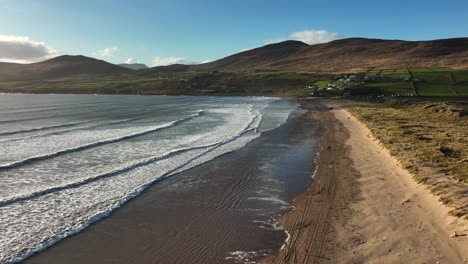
424,135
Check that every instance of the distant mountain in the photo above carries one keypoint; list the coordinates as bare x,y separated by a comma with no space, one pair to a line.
60,67
134,66
352,54
345,55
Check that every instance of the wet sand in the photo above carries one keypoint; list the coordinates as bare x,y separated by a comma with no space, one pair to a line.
223,211
363,207
311,225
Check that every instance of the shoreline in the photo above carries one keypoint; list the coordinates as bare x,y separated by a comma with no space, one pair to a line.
360,206
309,224
364,207
222,211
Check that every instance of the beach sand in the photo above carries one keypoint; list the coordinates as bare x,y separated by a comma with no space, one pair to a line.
361,207
365,208
222,211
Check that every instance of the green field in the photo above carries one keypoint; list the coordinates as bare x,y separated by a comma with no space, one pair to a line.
462,90
433,89
399,87
433,77
461,76
373,73
389,73
435,83
431,69
397,75
280,75
431,81
322,83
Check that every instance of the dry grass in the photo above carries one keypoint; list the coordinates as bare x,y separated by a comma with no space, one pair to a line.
430,139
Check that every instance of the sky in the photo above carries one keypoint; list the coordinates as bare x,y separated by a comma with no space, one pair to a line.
161,32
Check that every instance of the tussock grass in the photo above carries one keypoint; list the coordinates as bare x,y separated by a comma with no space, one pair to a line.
429,138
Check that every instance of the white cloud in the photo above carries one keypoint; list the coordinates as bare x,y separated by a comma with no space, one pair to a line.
315,36
106,52
21,49
159,61
310,37
206,61
273,41
246,49
131,61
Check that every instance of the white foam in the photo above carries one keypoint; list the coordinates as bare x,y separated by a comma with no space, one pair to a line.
246,257
286,241
24,151
47,215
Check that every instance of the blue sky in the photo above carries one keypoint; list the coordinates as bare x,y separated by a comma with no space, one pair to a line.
161,31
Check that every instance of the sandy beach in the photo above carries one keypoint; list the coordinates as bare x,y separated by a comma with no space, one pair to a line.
223,211
360,206
363,207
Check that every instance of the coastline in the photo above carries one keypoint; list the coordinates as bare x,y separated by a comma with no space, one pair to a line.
361,206
309,225
364,207
222,211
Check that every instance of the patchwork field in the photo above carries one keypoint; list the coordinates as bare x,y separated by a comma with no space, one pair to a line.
429,81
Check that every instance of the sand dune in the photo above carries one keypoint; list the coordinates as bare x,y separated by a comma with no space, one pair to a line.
365,208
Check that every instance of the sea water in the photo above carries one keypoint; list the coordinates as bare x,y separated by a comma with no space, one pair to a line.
67,161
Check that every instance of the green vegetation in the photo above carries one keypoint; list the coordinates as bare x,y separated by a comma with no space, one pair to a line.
179,79
322,83
285,75
433,89
373,73
428,81
432,69
424,135
461,76
462,90
395,73
398,87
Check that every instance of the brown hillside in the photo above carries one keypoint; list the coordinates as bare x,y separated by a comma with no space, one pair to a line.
347,55
59,67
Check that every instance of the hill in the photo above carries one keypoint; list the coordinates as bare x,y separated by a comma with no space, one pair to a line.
134,66
290,68
60,67
347,55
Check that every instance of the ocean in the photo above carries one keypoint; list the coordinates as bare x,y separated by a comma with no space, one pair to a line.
68,161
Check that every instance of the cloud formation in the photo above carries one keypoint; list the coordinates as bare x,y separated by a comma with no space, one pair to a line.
131,61
310,37
315,36
206,61
107,52
20,49
159,61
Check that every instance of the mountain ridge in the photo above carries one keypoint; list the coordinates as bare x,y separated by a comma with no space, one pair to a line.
347,55
134,66
59,67
338,56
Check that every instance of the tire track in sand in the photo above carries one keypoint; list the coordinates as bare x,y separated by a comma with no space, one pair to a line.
309,226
